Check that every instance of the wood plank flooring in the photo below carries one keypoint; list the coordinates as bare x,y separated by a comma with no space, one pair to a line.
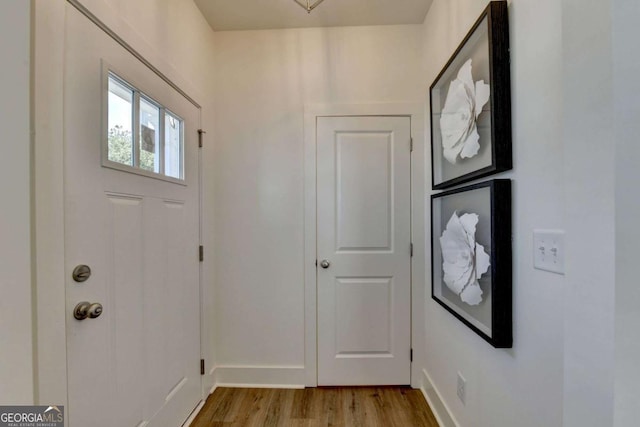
316,407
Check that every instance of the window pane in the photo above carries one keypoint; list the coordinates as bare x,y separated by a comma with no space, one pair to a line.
142,134
172,146
149,136
120,134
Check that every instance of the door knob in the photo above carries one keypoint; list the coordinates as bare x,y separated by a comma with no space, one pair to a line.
85,309
95,310
324,263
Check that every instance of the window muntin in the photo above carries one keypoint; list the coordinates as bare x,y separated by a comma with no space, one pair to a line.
142,135
149,136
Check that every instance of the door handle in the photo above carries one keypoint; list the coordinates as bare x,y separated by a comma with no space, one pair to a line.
85,309
324,263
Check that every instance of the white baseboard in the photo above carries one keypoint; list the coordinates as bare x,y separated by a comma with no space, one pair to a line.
259,376
194,414
440,410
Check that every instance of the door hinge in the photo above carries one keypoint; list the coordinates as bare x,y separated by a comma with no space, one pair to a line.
201,253
411,145
200,133
411,250
411,355
316,263
201,366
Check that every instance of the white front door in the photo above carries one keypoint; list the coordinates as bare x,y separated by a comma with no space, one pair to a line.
363,250
137,364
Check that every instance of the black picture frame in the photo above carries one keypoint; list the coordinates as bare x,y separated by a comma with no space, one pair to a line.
491,201
487,45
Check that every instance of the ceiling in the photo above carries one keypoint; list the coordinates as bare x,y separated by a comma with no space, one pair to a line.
225,15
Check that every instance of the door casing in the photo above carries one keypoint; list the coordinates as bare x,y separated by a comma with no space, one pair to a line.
418,199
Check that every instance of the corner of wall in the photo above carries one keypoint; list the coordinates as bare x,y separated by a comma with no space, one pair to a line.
440,410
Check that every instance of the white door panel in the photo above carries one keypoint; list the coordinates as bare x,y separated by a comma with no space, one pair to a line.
363,226
364,197
138,363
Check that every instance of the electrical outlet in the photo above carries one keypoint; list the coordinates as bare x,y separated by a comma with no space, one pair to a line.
462,388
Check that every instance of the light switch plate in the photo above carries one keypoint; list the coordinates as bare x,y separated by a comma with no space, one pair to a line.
461,389
548,250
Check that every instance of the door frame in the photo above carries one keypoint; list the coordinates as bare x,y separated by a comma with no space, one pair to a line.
48,23
416,113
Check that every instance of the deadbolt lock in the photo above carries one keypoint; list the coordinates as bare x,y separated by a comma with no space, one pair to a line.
81,273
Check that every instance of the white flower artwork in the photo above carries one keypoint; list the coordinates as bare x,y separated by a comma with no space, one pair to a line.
464,260
460,113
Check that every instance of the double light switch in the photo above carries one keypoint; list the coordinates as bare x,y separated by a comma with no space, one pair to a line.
548,250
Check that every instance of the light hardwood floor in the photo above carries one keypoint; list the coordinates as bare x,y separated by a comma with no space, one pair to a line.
315,407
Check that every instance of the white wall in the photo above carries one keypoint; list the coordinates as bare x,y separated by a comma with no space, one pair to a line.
626,64
602,207
589,153
172,34
176,39
263,80
16,345
521,386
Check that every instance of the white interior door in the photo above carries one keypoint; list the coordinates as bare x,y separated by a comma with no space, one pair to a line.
363,249
138,363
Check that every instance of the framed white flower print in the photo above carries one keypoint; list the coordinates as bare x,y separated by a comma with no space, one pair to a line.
471,257
471,105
